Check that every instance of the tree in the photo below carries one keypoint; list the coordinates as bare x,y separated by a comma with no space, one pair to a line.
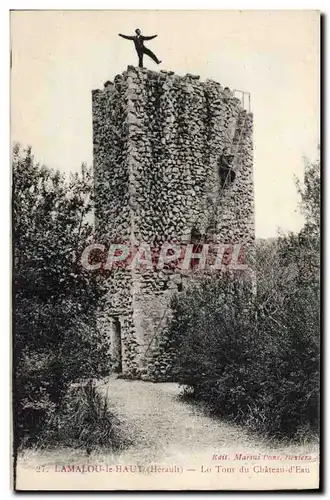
55,335
310,192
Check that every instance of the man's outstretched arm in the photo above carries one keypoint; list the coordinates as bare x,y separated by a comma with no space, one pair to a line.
127,37
149,37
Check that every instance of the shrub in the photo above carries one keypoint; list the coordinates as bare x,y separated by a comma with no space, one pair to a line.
250,367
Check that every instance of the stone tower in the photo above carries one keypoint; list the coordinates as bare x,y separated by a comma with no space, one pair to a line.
157,141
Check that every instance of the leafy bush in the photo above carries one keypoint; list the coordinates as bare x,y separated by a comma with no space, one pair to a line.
249,366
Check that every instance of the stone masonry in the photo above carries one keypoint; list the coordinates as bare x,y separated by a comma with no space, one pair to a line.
157,141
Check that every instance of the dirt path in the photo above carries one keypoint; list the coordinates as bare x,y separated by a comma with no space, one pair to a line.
163,426
174,444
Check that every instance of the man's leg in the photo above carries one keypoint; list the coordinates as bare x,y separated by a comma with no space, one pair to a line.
152,55
140,54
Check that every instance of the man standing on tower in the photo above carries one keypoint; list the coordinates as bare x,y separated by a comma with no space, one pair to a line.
140,48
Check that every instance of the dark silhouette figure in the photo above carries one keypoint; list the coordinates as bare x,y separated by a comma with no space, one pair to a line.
138,40
226,172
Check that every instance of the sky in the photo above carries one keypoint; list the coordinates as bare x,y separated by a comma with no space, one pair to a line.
58,57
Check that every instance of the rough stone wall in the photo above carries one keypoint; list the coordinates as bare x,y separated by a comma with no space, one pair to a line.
157,140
